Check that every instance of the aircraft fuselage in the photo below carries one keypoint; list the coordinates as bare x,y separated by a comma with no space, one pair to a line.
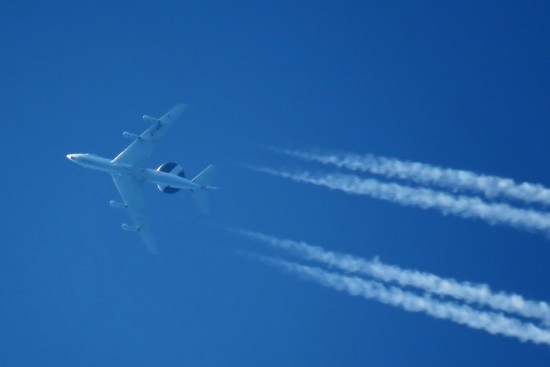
139,173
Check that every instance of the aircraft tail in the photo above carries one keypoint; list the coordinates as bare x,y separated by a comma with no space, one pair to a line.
200,195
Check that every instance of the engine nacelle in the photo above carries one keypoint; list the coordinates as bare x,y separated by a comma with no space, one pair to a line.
128,135
117,204
150,119
128,227
174,169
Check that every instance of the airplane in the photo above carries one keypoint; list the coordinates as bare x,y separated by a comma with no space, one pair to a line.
129,173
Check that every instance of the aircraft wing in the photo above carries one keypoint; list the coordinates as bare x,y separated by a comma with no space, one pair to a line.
131,191
140,150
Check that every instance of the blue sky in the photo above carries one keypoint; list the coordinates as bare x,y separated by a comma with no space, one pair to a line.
461,85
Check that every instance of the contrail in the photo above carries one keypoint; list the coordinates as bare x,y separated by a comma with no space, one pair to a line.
493,323
473,293
462,206
491,186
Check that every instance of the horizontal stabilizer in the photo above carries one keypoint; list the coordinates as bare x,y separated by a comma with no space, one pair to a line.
200,195
201,198
204,178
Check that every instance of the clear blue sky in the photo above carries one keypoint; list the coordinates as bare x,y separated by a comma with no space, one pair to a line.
457,84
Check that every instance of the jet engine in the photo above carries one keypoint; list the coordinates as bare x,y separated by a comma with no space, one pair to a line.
128,135
130,228
150,119
172,168
116,204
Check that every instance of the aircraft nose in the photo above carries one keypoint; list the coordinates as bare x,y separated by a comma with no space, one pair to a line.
69,156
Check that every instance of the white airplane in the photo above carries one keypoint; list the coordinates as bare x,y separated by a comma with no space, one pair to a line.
129,173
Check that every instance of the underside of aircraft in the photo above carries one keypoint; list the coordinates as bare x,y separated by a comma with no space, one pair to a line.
129,173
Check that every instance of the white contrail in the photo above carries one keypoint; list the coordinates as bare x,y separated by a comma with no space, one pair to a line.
490,186
462,206
474,293
491,322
